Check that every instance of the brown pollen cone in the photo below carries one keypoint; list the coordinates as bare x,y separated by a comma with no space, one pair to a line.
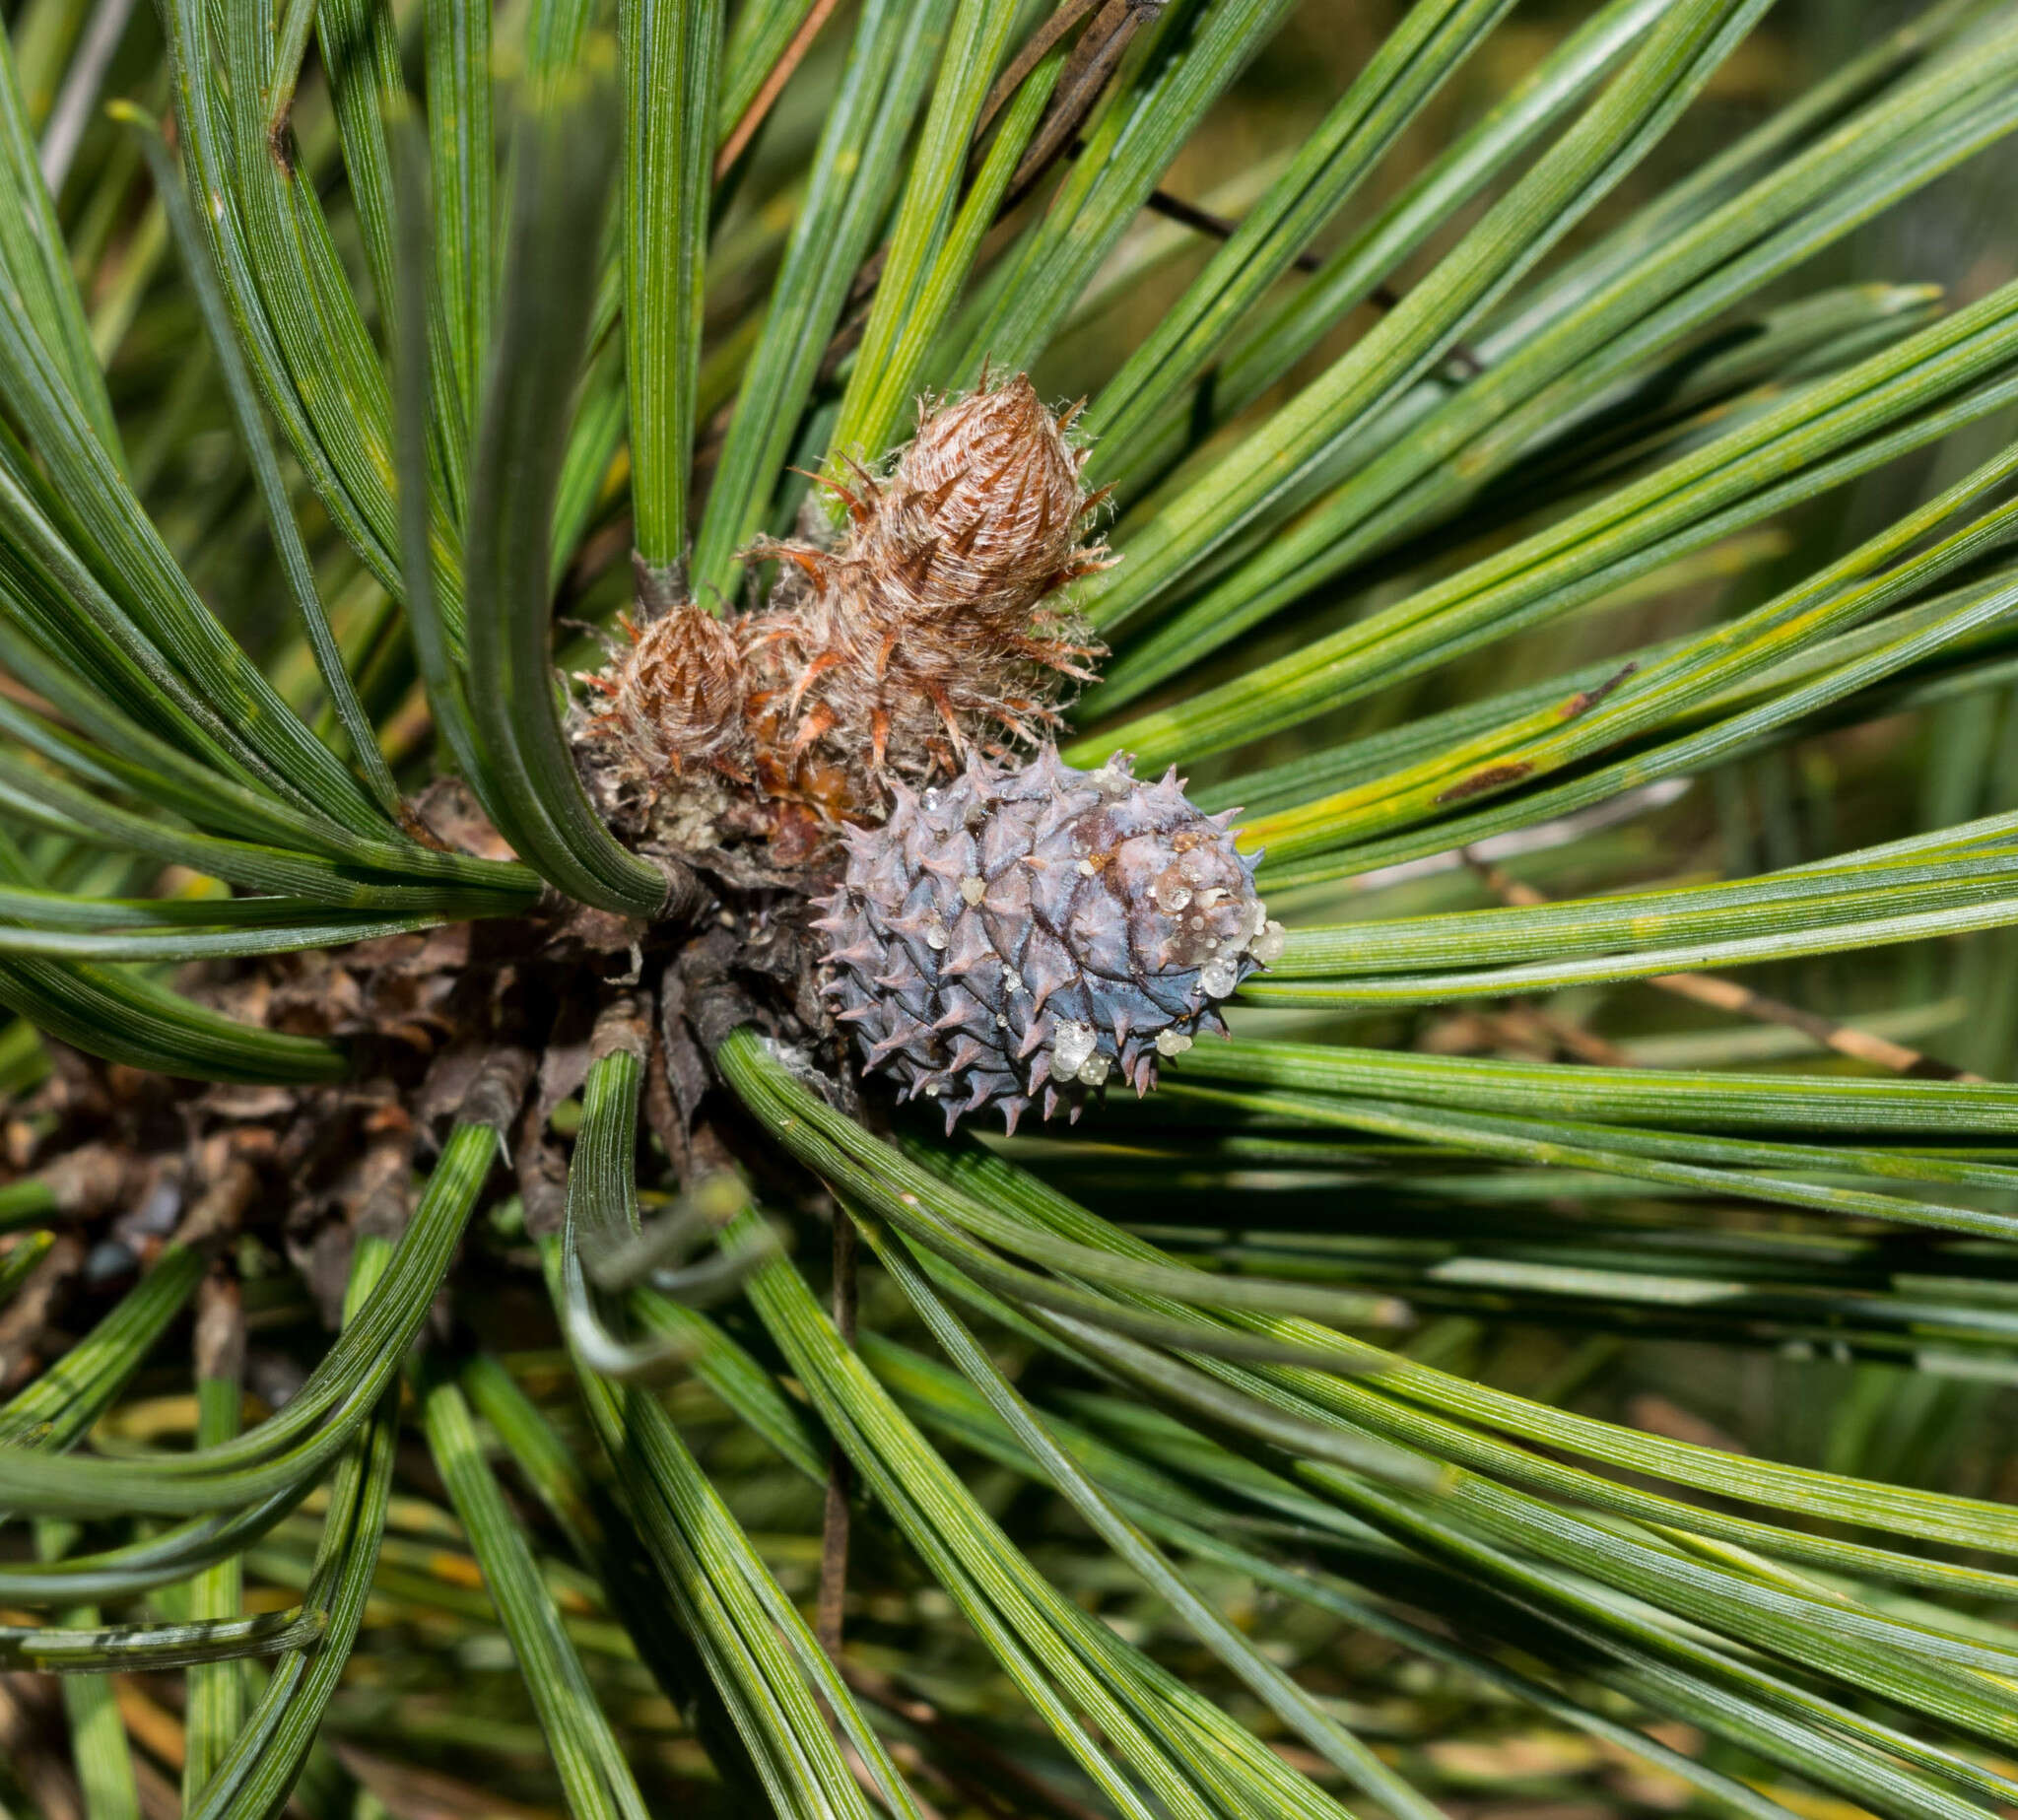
983,513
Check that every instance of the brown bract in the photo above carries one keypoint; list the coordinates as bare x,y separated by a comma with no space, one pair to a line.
929,630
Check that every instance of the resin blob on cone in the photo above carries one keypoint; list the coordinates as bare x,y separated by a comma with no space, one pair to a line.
1024,934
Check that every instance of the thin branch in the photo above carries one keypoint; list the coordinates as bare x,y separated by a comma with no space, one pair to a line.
1880,1052
969,1762
1384,295
1541,837
854,310
1723,994
1525,1029
1081,84
1220,228
866,1779
1034,51
781,71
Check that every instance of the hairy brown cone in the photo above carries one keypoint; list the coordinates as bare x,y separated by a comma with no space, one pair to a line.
926,633
982,515
926,629
676,698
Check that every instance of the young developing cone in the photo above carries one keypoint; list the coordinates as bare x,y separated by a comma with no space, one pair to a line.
929,630
676,700
982,515
1020,936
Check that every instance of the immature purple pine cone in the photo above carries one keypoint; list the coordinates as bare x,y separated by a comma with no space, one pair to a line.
1027,931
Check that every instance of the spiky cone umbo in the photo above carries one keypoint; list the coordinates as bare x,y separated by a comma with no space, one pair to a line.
932,628
1022,934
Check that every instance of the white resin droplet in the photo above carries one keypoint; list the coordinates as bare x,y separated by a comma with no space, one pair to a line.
1093,1071
1171,1042
1072,1044
971,887
1174,898
1218,975
1087,867
1209,898
1011,980
1269,944
1253,918
935,935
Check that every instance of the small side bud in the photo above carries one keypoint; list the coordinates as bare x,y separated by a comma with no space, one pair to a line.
675,699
